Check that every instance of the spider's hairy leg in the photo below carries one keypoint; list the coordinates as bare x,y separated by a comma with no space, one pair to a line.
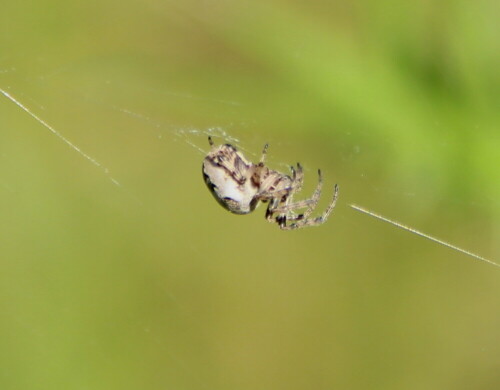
273,204
315,196
289,207
284,210
296,185
297,177
289,216
274,193
309,203
281,218
283,199
264,154
315,221
277,185
332,204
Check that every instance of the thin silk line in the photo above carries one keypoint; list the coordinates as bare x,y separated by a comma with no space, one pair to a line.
421,234
60,136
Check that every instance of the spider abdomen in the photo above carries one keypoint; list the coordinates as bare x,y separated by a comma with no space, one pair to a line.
228,177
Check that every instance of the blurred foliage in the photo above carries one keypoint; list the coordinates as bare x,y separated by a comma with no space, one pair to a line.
149,284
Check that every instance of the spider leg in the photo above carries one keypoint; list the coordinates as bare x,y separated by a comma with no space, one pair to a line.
286,208
281,206
278,194
297,180
294,206
332,204
273,204
315,196
264,153
298,177
296,185
284,211
279,201
290,190
309,203
210,141
315,221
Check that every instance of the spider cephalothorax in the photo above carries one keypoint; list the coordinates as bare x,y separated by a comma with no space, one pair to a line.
239,185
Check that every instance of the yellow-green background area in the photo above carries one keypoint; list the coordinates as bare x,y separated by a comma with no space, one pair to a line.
150,284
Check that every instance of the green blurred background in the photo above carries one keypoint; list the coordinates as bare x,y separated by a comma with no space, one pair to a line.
150,284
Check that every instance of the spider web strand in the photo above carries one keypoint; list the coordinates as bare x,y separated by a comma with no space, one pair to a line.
421,234
61,137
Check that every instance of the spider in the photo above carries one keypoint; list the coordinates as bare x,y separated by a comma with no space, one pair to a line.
240,185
